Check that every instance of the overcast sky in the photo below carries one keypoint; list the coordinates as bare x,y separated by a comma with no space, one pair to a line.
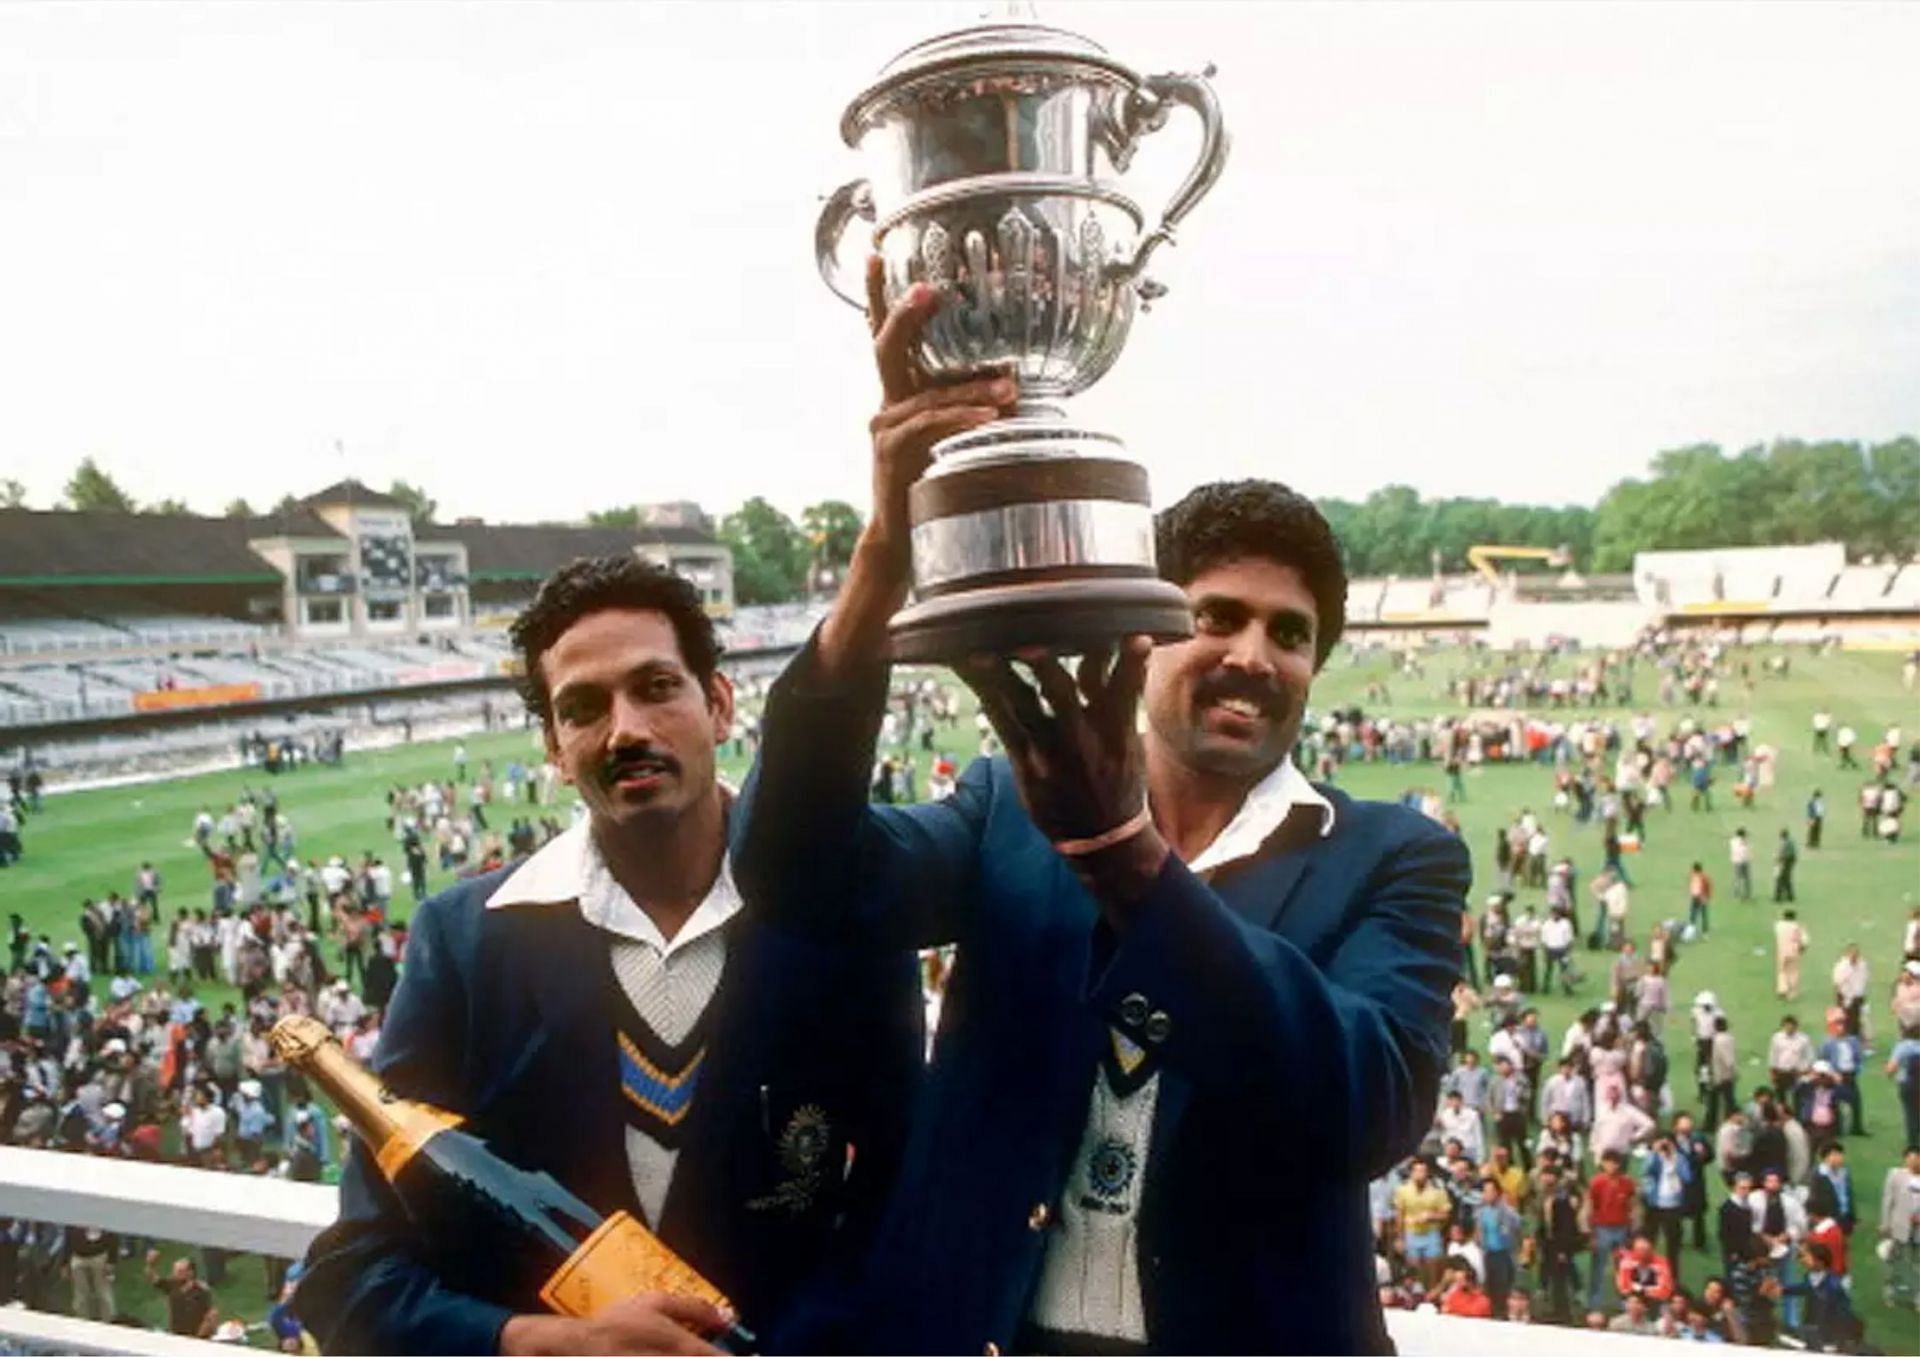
550,257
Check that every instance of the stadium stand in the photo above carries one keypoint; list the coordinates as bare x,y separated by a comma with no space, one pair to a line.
131,617
217,742
1739,579
1904,592
1861,586
1447,600
346,561
771,627
1796,594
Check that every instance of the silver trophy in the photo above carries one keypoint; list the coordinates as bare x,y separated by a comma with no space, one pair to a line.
994,155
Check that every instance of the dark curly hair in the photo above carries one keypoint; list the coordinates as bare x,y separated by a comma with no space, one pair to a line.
1231,520
595,584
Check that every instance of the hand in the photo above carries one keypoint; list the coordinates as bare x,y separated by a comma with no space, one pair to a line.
655,1322
915,413
1079,767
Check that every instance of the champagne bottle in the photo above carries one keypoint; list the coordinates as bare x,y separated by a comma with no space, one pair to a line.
447,1175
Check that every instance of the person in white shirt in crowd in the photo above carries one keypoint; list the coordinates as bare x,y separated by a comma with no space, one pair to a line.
340,1008
1618,1126
203,1128
1900,1232
1790,943
1456,1121
1470,1080
1780,1221
1556,945
1616,901
365,1038
1566,1092
1706,1008
1789,1056
1850,981
380,883
1525,939
1505,1045
228,929
1740,855
1723,1071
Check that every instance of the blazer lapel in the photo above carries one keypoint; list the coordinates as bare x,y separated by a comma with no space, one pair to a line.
569,971
1257,888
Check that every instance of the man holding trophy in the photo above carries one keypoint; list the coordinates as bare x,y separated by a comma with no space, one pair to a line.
1199,1002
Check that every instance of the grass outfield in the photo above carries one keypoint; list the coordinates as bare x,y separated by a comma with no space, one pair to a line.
89,842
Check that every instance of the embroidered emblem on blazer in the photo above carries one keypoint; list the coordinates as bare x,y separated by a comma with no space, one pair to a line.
802,1149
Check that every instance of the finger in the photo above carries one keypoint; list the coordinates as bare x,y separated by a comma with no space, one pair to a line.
1012,738
1021,700
663,1335
1056,685
876,293
649,1330
927,428
696,1314
995,392
1092,674
894,342
1010,704
1129,679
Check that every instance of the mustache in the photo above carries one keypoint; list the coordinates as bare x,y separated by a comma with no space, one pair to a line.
628,762
1225,684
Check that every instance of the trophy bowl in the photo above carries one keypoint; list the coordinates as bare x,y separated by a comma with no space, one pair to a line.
994,159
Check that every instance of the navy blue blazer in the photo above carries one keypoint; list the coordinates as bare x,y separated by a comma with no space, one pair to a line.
1299,1002
507,1016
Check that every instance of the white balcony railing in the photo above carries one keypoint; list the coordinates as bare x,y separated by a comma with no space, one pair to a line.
273,1216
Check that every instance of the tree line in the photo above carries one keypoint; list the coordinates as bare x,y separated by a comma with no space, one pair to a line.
1779,494
92,489
1783,493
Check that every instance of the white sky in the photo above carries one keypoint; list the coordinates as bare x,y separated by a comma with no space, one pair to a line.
545,258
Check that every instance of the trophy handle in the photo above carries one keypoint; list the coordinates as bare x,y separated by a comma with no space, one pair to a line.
1146,111
852,199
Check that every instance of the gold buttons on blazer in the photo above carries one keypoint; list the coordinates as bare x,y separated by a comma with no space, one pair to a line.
1159,1026
1040,1217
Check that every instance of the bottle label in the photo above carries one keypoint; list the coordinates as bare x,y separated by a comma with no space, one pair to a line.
411,1125
622,1258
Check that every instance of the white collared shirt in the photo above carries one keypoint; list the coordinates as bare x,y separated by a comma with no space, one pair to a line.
669,981
1265,808
1090,1277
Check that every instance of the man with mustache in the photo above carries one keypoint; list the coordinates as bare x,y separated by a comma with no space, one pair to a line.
607,1012
1198,1002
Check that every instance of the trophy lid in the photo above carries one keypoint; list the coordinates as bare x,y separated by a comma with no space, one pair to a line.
983,44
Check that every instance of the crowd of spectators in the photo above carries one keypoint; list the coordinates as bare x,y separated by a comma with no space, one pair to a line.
116,1044
1565,1170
